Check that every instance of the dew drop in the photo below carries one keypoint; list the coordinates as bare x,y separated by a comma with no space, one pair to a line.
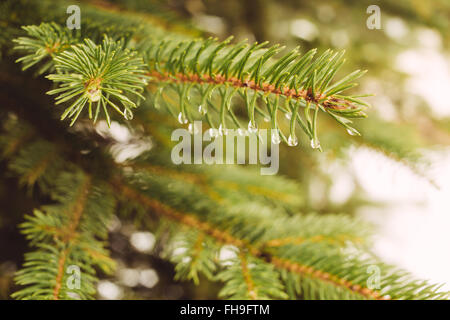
288,115
315,144
201,110
353,132
128,114
222,130
94,95
182,119
292,141
251,127
266,119
275,136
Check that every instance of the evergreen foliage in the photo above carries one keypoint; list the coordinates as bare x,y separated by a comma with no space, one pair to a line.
277,248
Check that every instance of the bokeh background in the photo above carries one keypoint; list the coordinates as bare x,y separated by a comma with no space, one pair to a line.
397,175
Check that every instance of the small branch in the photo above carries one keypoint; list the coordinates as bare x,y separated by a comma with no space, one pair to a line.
198,247
70,232
340,239
37,171
319,98
60,274
247,277
224,237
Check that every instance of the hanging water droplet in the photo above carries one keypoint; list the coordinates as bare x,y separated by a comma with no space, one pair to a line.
292,141
94,94
182,119
353,132
275,136
201,110
222,130
128,114
288,115
315,144
266,119
251,127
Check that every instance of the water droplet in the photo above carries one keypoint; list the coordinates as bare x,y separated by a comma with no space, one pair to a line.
292,141
182,119
275,136
222,130
128,114
353,132
315,144
251,127
201,110
94,94
288,115
266,119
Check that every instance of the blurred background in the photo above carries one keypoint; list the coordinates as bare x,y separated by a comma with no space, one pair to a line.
397,175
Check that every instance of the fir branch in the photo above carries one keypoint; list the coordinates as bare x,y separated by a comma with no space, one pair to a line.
66,234
99,76
154,15
43,44
219,235
214,182
96,76
198,256
284,84
308,255
18,135
250,71
317,264
250,278
252,293
38,162
77,212
340,239
338,274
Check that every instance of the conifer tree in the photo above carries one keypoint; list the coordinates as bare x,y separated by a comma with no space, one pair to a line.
148,70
